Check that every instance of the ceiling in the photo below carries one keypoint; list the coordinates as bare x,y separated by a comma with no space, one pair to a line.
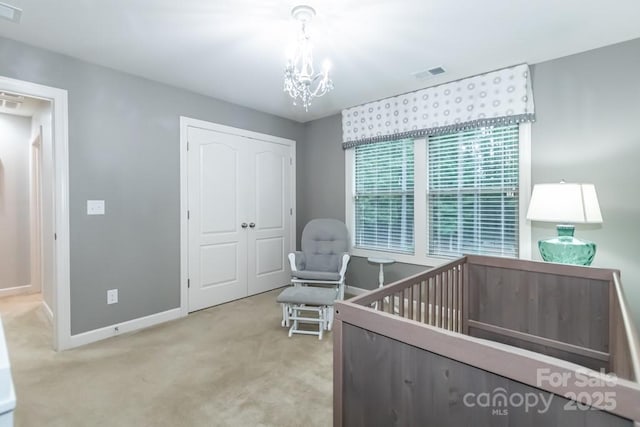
235,49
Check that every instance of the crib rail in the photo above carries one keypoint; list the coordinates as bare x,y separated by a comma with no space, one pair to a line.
435,297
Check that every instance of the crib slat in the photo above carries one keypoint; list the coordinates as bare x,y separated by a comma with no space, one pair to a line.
439,300
443,283
426,301
411,302
442,300
454,310
463,307
450,301
445,304
435,301
432,308
427,319
421,301
460,288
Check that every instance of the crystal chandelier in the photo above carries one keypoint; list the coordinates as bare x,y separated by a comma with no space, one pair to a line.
300,81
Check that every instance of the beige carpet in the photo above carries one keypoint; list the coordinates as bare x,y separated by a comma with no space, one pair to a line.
230,365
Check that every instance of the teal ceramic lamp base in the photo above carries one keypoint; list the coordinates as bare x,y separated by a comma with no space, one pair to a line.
566,249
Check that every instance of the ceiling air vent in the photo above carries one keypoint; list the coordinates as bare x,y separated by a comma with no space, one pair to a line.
10,13
10,101
11,105
429,73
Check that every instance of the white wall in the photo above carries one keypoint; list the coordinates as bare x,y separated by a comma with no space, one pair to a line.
15,134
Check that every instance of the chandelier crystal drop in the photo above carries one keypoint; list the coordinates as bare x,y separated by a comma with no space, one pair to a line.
300,80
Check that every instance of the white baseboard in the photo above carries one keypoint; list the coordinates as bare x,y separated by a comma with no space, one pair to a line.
122,328
352,290
17,290
47,311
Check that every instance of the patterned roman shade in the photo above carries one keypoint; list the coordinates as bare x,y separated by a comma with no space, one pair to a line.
497,98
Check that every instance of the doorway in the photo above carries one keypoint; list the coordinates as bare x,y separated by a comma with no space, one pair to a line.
41,259
23,124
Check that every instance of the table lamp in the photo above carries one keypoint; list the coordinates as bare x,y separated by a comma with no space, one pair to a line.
565,204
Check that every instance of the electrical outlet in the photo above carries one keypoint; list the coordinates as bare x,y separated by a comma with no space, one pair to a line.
112,296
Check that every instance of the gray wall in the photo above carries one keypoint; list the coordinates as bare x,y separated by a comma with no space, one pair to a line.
124,148
587,130
15,234
320,170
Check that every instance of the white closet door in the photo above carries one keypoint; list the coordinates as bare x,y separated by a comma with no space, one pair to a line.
240,200
217,181
269,239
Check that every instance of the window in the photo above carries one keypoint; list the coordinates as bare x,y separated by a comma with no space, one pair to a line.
472,192
442,196
384,196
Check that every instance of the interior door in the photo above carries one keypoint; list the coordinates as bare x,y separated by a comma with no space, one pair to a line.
269,237
217,210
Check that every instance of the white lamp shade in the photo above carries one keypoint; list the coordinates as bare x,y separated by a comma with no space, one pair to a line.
564,203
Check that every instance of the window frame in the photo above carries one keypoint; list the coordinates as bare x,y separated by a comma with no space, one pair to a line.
420,227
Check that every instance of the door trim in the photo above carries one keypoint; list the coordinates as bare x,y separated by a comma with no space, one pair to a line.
60,189
185,123
35,211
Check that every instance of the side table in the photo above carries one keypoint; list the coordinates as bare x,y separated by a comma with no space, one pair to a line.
382,262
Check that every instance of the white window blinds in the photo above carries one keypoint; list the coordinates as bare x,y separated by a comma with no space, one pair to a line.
384,197
472,192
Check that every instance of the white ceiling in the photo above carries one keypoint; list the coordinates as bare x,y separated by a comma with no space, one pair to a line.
235,49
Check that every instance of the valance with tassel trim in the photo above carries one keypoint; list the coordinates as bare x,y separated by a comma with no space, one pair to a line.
497,98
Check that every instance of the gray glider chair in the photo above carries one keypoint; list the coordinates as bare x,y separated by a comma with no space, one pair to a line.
317,275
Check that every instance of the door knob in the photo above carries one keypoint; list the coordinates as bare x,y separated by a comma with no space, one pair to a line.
252,225
243,225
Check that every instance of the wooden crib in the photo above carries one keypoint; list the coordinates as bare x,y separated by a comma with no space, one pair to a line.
489,341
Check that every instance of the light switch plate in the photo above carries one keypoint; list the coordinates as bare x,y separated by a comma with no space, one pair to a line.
95,207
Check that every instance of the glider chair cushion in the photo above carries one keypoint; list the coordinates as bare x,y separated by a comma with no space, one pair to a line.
322,262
